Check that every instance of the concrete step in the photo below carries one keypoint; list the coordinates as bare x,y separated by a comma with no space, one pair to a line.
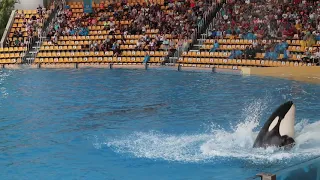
173,58
170,64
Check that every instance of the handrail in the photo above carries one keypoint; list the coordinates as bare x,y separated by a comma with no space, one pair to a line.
204,21
8,27
180,49
44,31
302,164
193,36
217,15
295,166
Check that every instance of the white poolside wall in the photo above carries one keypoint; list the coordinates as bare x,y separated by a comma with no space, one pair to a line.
28,4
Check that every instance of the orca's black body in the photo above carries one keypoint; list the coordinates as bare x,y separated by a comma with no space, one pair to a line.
279,128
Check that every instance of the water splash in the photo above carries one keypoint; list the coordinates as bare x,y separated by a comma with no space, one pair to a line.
3,77
218,142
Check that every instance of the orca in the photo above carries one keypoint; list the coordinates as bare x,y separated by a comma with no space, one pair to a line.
278,131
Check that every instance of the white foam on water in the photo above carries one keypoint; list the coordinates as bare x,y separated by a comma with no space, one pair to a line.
219,143
3,89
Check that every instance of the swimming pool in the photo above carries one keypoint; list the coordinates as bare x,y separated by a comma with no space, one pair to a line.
137,124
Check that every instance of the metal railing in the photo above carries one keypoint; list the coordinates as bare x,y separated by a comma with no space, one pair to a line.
8,28
45,29
309,168
185,47
207,16
26,50
213,18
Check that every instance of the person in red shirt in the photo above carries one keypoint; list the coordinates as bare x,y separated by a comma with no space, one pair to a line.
192,3
101,6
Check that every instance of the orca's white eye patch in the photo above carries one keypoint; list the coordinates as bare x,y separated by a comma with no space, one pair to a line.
287,123
274,123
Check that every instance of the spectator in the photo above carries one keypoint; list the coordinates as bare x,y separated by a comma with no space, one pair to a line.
237,53
39,10
16,33
307,56
146,58
215,46
17,42
166,43
101,7
250,52
286,54
316,56
272,19
213,34
179,23
8,42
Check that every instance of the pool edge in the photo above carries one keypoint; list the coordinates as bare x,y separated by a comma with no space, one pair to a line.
308,74
120,66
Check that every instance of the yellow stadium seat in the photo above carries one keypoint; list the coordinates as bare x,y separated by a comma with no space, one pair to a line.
105,59
157,59
79,60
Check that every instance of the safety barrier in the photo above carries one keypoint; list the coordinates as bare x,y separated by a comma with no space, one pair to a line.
309,169
205,19
8,27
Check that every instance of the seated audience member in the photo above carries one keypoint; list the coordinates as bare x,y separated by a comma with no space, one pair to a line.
215,46
213,34
316,56
286,54
16,33
179,23
237,53
8,43
16,42
307,56
250,52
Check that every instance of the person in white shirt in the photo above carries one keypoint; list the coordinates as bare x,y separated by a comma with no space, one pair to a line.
317,54
316,57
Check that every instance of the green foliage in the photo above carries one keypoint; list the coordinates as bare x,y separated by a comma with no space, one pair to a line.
6,7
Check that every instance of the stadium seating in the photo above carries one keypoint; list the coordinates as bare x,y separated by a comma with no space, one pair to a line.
16,44
76,48
230,33
22,18
11,55
227,45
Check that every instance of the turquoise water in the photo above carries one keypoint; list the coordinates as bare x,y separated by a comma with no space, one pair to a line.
136,124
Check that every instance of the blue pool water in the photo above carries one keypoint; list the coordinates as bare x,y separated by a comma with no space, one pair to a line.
136,124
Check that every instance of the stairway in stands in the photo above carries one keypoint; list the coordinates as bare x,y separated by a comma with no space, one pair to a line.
202,31
36,44
202,36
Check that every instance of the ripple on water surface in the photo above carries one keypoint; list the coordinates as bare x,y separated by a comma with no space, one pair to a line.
128,124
